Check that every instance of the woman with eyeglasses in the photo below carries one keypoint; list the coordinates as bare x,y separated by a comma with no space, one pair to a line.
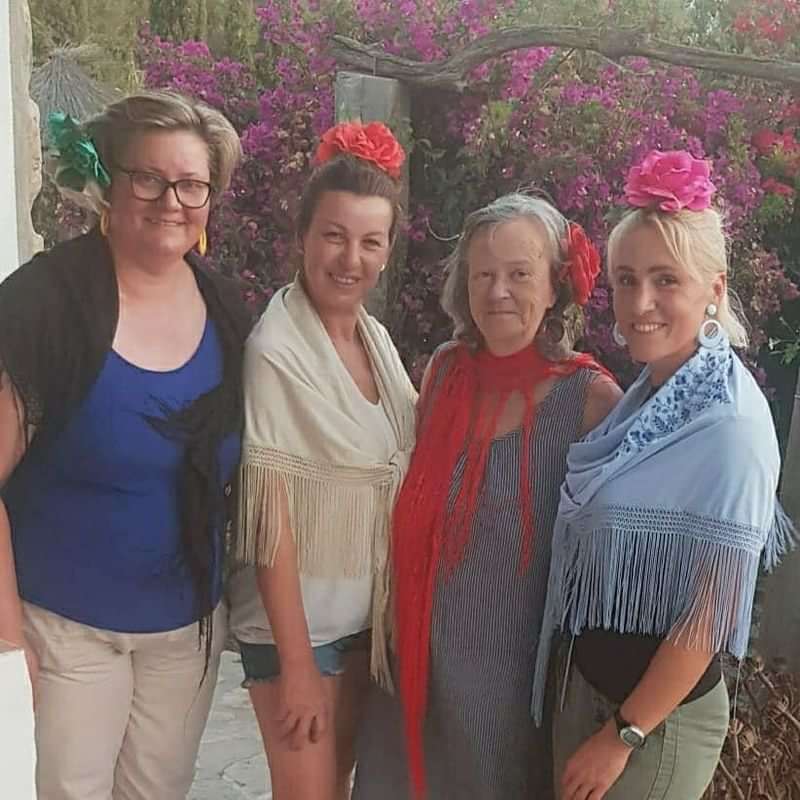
120,417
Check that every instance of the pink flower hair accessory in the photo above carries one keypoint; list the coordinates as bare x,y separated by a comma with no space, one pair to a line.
670,181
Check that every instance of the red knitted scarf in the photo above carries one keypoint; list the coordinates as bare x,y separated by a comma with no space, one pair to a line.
428,532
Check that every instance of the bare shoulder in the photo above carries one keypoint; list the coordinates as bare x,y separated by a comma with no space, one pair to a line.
438,361
12,438
602,394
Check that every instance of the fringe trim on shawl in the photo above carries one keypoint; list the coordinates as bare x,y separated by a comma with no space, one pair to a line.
659,572
380,667
656,572
333,512
782,538
339,518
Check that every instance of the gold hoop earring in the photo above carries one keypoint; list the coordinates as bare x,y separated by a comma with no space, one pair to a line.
202,243
105,222
382,268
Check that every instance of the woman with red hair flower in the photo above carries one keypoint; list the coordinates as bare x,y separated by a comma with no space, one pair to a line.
329,421
499,408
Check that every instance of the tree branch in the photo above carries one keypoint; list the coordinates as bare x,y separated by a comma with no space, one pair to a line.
614,44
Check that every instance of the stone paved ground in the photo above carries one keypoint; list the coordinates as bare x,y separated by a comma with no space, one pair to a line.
231,764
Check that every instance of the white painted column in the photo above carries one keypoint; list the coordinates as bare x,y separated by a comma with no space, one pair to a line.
27,144
17,749
9,247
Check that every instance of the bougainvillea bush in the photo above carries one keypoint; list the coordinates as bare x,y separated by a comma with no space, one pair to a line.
565,124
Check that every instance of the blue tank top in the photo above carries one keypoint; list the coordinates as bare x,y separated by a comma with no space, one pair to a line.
94,519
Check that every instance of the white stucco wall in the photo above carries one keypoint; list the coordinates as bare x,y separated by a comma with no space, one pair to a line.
17,753
9,249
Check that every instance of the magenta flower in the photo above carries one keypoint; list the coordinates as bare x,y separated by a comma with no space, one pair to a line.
670,181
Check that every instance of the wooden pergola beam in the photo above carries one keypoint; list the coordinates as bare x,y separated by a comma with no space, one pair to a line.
451,73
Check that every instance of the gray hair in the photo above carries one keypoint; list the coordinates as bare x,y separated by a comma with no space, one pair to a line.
562,325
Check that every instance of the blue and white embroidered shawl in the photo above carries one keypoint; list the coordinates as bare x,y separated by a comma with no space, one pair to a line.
666,512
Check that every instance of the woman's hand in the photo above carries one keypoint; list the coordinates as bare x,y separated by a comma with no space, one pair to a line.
303,708
595,766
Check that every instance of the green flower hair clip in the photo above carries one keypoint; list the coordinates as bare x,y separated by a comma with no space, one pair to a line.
78,161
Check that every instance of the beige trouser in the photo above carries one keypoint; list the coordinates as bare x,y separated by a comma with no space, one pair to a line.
118,716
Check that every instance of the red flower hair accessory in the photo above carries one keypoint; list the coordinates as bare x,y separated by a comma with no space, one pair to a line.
582,265
373,142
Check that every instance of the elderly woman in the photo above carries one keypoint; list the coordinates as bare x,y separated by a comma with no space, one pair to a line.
665,513
329,417
120,415
471,545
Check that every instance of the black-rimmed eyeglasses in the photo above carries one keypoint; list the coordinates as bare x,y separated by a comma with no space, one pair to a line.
150,187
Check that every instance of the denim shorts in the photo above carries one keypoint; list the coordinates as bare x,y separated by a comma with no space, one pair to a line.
261,662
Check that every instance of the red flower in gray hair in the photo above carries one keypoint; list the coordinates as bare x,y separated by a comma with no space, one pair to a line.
582,265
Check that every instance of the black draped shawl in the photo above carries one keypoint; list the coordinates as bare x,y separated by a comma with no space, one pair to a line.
58,317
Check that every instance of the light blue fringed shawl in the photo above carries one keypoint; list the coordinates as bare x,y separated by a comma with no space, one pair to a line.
666,512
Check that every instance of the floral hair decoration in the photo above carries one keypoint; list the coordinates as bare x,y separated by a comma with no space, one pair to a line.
77,159
373,142
670,181
582,265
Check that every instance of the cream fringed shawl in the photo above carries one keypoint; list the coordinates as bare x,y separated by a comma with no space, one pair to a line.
306,435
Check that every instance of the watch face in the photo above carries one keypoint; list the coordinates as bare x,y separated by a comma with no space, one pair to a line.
632,736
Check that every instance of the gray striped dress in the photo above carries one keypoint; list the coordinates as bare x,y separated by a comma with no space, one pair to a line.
480,742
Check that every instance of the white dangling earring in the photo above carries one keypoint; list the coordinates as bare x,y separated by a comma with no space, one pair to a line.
616,335
711,334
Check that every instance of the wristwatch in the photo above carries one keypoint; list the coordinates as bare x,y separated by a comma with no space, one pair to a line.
630,735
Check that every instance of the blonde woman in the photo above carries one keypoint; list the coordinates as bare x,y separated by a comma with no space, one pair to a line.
667,509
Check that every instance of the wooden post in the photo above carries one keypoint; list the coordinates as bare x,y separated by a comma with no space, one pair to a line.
779,635
366,98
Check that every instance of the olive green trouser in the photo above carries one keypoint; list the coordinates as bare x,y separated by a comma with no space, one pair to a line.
679,757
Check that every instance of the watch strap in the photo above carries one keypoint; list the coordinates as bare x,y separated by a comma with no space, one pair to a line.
620,721
630,734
